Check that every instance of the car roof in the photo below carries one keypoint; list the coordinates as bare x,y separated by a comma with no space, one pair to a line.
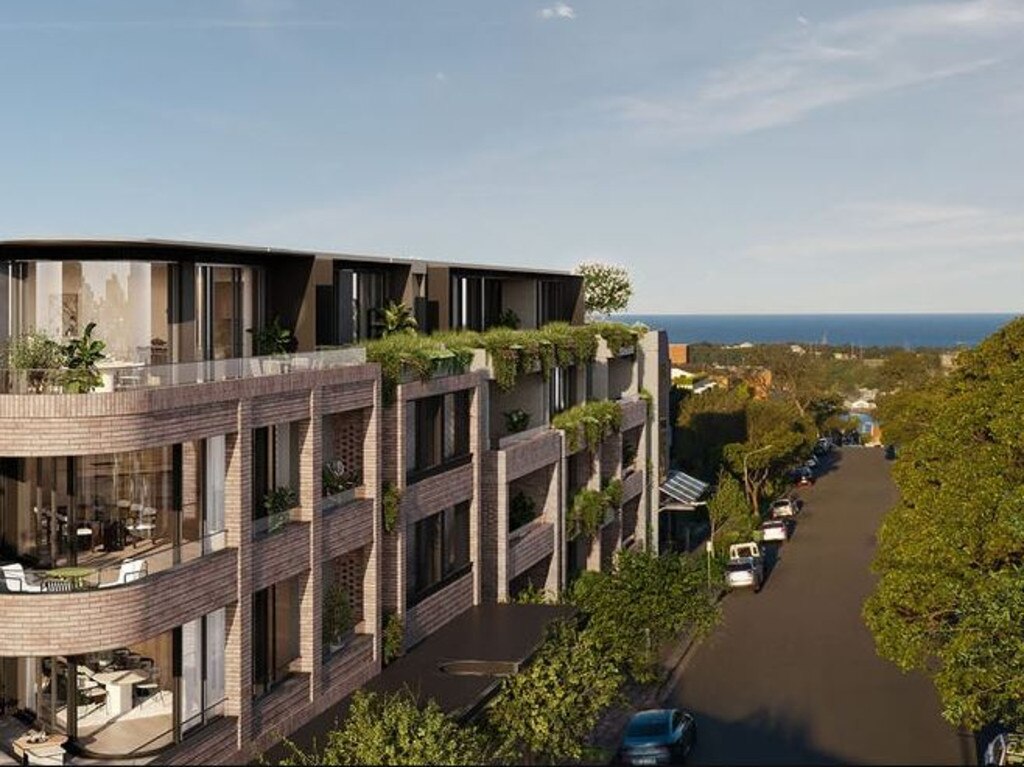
652,715
781,501
773,523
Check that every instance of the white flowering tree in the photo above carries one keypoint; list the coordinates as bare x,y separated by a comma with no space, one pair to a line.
606,288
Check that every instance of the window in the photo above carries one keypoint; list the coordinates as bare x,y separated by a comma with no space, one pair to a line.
275,634
438,551
275,462
561,389
476,303
550,300
437,432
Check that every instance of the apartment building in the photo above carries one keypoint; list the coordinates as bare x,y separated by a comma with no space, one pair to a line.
202,544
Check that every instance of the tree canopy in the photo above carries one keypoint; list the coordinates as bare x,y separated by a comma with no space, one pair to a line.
950,598
606,288
707,423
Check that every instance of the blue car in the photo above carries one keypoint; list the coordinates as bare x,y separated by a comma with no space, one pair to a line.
660,736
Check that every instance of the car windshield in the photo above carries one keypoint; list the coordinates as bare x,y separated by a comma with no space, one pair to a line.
779,504
766,525
737,567
647,726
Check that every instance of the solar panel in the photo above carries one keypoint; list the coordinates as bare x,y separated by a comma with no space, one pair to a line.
683,488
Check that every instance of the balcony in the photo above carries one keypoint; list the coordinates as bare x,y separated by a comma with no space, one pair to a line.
528,545
115,375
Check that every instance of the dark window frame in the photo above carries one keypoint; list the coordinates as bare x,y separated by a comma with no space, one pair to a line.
439,551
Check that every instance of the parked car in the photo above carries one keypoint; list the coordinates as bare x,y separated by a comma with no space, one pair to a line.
774,530
783,508
823,446
658,736
1005,748
745,568
812,464
890,452
802,476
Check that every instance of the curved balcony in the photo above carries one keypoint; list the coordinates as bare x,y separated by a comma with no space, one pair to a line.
70,611
144,405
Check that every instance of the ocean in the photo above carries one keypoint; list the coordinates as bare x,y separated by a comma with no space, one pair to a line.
903,330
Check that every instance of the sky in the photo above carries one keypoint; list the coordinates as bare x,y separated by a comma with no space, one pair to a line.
738,156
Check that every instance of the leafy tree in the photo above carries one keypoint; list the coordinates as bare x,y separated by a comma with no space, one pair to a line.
907,370
777,436
546,710
395,318
392,729
798,378
606,288
905,414
643,602
950,558
706,424
729,506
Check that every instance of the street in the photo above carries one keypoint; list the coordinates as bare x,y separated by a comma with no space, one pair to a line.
791,675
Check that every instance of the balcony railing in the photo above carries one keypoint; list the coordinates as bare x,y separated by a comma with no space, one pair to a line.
85,577
115,375
275,522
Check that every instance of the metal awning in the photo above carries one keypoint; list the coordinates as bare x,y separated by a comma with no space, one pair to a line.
682,488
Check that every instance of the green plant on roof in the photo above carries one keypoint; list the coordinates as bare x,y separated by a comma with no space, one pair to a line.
596,420
395,318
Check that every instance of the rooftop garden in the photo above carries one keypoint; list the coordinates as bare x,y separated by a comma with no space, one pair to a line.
512,353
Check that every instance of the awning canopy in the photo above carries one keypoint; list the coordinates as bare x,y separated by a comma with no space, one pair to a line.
682,488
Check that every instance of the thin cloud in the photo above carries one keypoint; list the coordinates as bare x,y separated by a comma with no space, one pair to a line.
823,65
557,11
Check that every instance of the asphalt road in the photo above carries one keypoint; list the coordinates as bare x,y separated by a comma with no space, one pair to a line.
791,676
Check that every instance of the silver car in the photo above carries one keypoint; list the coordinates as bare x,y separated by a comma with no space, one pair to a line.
744,573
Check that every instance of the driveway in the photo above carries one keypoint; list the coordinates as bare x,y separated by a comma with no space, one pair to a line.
791,676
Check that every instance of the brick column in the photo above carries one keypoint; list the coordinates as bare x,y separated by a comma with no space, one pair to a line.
238,520
311,583
594,483
371,481
478,444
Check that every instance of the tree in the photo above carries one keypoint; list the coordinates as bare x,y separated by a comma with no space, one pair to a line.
395,318
907,413
606,288
706,424
729,504
643,602
391,728
907,370
798,378
950,557
777,436
547,709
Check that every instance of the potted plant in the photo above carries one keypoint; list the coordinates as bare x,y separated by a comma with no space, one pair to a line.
37,357
395,318
273,338
337,479
516,420
337,617
278,502
80,357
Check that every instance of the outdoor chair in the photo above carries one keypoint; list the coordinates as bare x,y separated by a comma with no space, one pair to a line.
15,579
131,571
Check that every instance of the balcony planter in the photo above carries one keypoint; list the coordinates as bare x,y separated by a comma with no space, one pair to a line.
340,499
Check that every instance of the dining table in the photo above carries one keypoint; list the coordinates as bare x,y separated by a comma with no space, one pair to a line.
74,575
119,686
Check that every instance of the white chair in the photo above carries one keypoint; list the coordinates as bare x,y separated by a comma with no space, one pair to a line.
131,570
15,579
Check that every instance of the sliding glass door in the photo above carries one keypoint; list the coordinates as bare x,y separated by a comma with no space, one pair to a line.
226,303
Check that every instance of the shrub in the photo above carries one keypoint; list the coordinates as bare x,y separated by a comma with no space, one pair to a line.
391,728
516,420
390,501
278,502
617,335
393,638
597,420
337,614
613,493
336,478
421,355
39,356
274,338
587,512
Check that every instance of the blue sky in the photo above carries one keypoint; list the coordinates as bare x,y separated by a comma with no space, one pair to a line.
758,156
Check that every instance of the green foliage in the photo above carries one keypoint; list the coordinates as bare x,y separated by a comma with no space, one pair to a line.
778,435
547,709
617,335
905,414
613,493
422,356
907,370
728,507
337,614
522,510
606,288
509,319
80,357
516,420
648,399
645,601
393,638
950,556
391,500
39,356
596,420
531,595
278,503
587,512
391,728
395,318
706,425
335,478
274,338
